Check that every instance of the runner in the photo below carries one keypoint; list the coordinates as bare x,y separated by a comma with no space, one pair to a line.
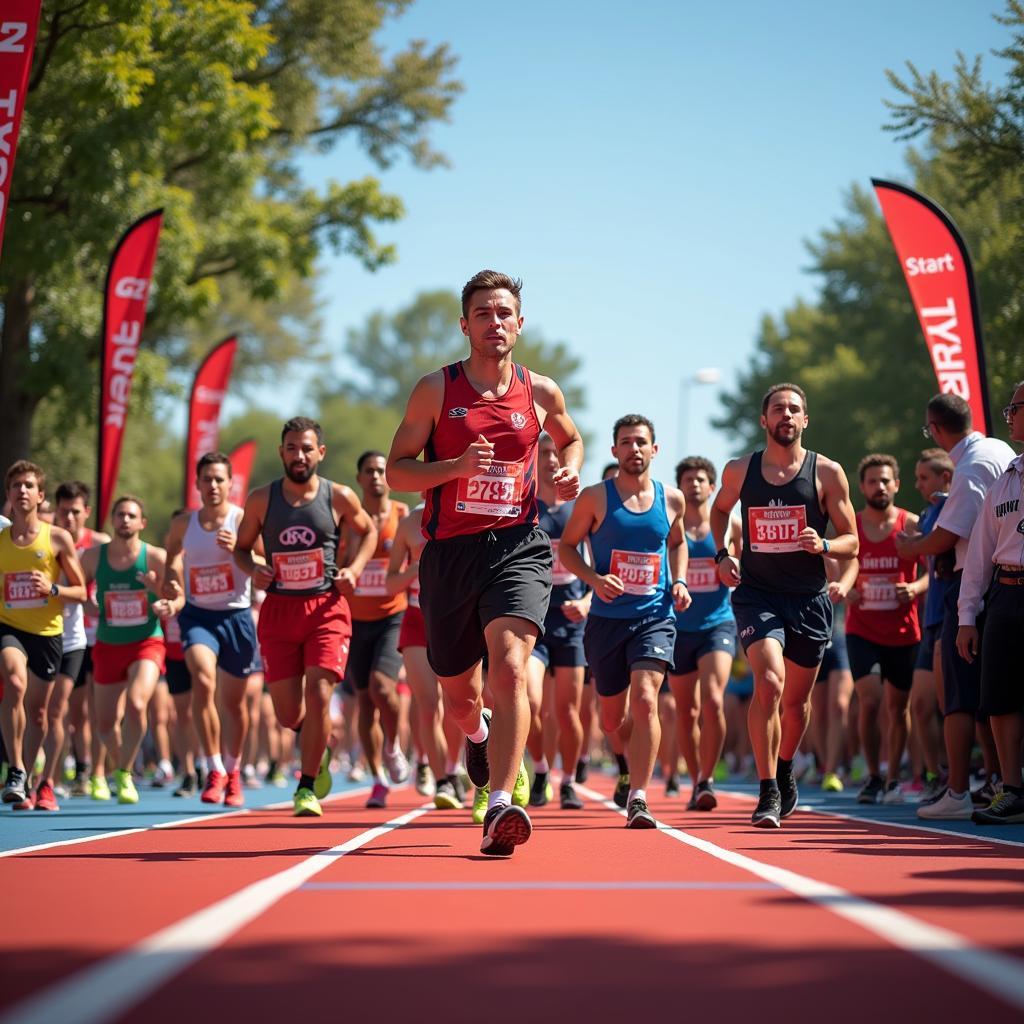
217,630
33,554
374,661
305,624
485,573
787,496
705,636
882,625
635,529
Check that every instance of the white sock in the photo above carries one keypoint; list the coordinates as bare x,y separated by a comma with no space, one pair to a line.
230,763
541,767
955,795
568,777
451,767
214,763
499,796
166,767
481,734
637,794
381,778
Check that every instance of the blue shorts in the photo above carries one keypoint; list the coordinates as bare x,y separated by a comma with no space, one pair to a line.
561,651
801,623
836,659
231,635
926,648
614,646
691,647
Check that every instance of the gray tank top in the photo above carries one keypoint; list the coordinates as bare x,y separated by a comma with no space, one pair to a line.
773,517
301,543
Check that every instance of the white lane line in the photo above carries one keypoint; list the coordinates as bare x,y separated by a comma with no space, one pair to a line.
993,972
209,816
567,886
107,989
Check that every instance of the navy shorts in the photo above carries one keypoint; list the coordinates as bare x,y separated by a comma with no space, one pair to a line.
894,664
231,635
179,679
836,657
691,647
561,651
374,648
961,680
926,648
801,623
614,646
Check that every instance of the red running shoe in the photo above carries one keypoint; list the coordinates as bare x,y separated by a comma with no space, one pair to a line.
213,791
233,796
27,804
46,799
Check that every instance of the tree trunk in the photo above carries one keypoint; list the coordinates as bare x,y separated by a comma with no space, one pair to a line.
16,404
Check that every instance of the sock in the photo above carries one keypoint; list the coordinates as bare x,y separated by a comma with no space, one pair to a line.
623,767
305,782
637,794
541,767
769,786
955,795
166,767
499,797
422,761
214,763
481,734
271,768
451,767
568,778
785,768
379,776
81,767
230,763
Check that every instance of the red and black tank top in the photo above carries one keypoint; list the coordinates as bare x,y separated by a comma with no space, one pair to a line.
502,496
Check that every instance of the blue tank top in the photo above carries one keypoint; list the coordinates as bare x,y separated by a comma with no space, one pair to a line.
934,603
565,586
711,606
631,545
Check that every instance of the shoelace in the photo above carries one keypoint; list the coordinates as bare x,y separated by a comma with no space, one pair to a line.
1002,801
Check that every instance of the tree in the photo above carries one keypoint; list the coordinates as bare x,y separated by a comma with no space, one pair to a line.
201,107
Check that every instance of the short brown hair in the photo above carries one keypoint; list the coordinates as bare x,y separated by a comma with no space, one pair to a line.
632,419
22,467
877,459
776,388
696,463
488,280
938,459
950,412
72,490
299,425
129,497
213,459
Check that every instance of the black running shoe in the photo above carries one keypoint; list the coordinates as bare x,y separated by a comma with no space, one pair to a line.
984,796
1006,809
582,771
539,790
789,792
446,797
704,796
569,800
672,785
621,794
189,785
872,790
769,810
505,827
14,789
638,816
477,767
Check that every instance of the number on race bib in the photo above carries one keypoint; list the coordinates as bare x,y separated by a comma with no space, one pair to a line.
209,581
20,593
775,529
372,579
298,570
498,491
701,576
640,571
878,592
125,608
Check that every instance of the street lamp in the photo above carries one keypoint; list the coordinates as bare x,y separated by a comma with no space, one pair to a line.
706,376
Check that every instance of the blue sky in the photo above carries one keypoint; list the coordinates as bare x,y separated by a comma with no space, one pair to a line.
651,171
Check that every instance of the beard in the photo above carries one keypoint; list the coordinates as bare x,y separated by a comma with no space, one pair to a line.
785,440
880,501
299,474
634,470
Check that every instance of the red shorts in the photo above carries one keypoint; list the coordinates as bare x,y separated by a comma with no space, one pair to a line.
413,632
296,633
110,662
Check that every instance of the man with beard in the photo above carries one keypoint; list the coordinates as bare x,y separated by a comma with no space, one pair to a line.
787,496
304,625
882,626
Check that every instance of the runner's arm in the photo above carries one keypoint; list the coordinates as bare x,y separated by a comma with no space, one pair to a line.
842,577
401,572
156,567
174,582
558,424
67,558
846,543
576,530
721,517
938,542
249,530
678,552
357,525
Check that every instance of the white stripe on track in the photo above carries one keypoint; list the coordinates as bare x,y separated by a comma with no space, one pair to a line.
996,973
109,988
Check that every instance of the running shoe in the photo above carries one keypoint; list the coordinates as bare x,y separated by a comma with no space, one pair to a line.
80,785
721,773
99,788
424,785
621,794
277,778
14,788
480,798
984,796
249,777
705,794
378,795
356,773
1006,809
872,790
305,804
233,795
505,827
638,816
446,798
3,772
323,781
893,793
672,785
582,771
934,787
477,766
213,791
189,785
126,791
540,791
831,783
521,789
462,785
691,804
397,765
27,804
768,813
947,807
568,798
46,799
789,794
160,778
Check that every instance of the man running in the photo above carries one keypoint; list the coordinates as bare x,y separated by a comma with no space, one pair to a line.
485,573
787,496
639,574
33,554
217,629
305,624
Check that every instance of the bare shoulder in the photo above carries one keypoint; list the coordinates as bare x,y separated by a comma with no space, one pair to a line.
830,472
98,538
258,498
675,500
736,467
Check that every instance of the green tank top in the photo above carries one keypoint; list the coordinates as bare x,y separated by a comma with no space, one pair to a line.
126,607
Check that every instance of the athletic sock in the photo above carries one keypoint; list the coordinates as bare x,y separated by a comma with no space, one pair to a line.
481,734
785,768
541,767
380,778
623,767
305,782
499,797
769,786
230,763
166,767
81,767
214,763
637,794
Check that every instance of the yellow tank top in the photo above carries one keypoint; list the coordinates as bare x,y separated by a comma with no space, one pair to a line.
21,607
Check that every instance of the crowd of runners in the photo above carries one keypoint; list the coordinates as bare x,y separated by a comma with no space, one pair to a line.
514,622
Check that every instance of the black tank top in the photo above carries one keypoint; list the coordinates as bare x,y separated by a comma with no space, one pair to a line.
773,517
301,543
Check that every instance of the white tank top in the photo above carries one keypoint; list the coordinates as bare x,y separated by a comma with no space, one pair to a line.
212,580
74,627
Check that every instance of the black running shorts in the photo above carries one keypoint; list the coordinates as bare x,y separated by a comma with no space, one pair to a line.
894,664
374,648
801,623
1002,687
42,653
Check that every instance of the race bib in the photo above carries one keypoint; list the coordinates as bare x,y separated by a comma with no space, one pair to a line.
640,571
210,581
701,576
560,576
19,593
124,608
878,592
298,570
774,530
497,491
414,593
372,579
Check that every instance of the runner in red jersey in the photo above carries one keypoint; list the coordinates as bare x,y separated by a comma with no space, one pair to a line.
485,573
882,627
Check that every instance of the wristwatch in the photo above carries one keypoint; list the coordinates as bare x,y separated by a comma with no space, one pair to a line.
722,553
824,545
54,590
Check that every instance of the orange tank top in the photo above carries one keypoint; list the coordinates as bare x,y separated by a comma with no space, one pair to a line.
371,601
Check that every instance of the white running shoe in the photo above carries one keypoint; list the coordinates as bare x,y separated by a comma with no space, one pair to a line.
893,794
948,807
397,765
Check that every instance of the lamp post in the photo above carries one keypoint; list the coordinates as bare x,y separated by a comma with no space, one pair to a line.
706,376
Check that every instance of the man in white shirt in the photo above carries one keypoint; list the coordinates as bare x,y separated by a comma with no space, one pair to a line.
997,550
979,461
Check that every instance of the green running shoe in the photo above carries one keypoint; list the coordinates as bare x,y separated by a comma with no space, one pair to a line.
99,788
621,794
480,799
126,791
306,804
521,790
323,781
